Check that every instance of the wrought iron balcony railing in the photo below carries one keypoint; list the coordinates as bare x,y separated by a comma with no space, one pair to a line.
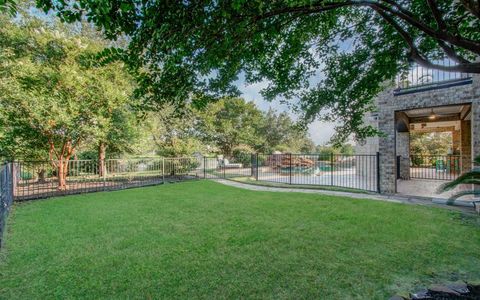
419,78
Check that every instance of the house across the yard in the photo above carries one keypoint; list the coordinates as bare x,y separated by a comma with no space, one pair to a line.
425,101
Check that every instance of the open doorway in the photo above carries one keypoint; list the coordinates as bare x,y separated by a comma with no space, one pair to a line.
433,146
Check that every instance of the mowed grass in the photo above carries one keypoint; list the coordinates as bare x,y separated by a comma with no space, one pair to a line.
205,240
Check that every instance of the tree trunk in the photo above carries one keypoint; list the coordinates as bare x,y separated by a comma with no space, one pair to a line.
227,151
62,160
102,171
62,174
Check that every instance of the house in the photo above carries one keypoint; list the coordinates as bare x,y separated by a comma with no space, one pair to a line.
426,101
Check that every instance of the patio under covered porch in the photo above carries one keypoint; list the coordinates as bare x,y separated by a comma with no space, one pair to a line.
433,146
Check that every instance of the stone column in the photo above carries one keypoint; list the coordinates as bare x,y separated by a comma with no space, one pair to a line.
466,145
456,142
475,128
475,131
403,150
386,124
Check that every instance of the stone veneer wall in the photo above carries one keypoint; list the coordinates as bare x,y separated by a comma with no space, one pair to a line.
388,104
466,148
456,142
403,150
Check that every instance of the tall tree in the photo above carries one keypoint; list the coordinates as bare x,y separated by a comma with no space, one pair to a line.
170,134
182,48
281,133
50,93
231,122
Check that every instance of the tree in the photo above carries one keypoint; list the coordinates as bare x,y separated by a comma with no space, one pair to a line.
184,48
326,151
171,134
50,92
431,144
231,122
281,133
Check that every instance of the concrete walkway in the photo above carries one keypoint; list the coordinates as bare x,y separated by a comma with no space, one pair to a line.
368,196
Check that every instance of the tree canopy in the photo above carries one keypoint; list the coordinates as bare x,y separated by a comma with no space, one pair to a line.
52,98
226,126
184,48
431,144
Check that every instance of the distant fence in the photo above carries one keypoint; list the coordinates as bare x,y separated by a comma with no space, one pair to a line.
6,195
439,167
38,179
338,170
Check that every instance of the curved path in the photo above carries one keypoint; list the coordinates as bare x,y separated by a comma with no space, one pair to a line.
368,196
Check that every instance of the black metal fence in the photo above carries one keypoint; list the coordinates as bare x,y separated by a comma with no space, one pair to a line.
338,170
6,195
438,167
418,76
39,179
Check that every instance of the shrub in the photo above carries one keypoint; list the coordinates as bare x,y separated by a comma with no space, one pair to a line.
243,155
24,175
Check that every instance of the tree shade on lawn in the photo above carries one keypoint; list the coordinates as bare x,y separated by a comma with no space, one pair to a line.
203,239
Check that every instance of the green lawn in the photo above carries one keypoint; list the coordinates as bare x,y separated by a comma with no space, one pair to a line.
205,240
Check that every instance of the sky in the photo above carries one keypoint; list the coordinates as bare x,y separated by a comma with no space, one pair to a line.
320,132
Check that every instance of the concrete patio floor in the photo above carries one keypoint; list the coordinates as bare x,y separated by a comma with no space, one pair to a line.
426,188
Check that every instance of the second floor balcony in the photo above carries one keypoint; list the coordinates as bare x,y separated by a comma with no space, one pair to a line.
418,79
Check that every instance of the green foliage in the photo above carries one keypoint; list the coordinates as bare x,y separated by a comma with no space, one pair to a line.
180,166
25,175
230,126
326,151
53,98
231,122
179,48
425,146
472,178
168,133
243,154
88,155
55,93
282,134
436,143
9,7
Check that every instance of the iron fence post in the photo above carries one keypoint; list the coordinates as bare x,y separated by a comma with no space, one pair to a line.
399,158
204,167
378,172
11,181
290,170
104,171
256,166
252,162
331,169
163,169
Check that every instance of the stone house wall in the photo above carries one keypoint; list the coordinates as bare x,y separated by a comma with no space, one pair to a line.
388,104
